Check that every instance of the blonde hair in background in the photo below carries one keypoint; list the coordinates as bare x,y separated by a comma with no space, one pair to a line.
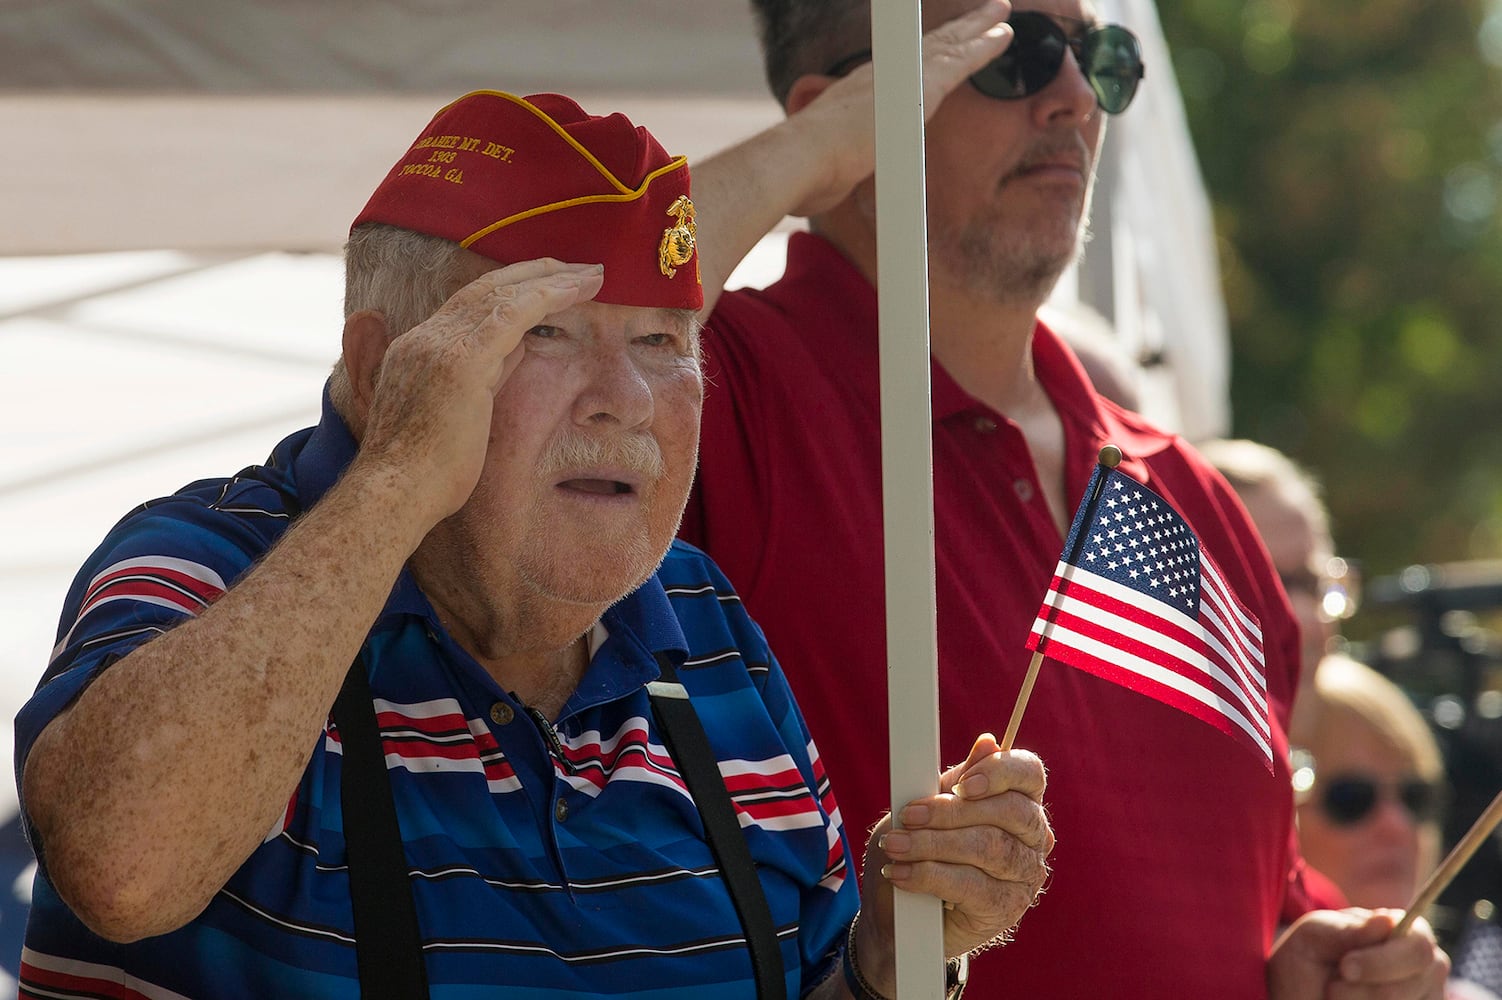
1351,688
1251,465
1346,689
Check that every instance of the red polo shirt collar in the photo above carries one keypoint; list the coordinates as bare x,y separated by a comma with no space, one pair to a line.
1089,421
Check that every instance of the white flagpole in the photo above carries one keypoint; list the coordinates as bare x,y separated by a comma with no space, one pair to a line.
907,460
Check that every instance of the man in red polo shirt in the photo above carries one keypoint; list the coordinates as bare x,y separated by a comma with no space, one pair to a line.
1175,866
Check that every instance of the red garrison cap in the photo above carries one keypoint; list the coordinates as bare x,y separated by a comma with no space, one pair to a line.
516,178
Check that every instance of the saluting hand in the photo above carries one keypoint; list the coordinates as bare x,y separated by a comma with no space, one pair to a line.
835,116
429,417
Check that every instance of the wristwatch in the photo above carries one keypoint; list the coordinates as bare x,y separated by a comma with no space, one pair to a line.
956,974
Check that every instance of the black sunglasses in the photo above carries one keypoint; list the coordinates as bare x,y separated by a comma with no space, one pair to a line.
1108,54
1349,799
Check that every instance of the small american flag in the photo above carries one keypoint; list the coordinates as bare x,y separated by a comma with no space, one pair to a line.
1136,601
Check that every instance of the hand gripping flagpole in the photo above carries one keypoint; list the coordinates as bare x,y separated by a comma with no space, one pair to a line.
1109,458
907,462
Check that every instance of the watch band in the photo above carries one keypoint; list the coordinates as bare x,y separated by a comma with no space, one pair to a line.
956,972
956,975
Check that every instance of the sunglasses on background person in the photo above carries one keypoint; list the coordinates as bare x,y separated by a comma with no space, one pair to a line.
1108,55
1350,799
1335,587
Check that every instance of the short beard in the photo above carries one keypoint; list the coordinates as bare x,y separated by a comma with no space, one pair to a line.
983,258
1022,272
1008,267
548,575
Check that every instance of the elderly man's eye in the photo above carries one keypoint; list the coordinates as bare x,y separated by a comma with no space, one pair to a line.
543,331
656,339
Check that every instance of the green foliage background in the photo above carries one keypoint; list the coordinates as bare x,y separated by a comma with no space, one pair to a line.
1353,150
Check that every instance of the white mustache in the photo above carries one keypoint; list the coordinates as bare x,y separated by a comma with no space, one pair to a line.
635,453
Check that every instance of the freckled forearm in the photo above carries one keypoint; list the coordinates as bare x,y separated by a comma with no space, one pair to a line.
169,769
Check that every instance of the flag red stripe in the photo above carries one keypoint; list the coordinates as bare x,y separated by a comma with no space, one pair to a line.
1079,590
1058,645
1221,612
1153,689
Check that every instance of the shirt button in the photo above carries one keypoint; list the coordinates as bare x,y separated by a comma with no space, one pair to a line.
985,425
501,713
560,811
1023,488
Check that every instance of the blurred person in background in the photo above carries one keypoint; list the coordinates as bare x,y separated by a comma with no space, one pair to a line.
1370,785
1287,507
1113,371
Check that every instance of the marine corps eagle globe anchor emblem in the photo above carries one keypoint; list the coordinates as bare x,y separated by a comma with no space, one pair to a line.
677,246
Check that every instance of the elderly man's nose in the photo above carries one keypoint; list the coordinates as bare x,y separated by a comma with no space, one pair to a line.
616,392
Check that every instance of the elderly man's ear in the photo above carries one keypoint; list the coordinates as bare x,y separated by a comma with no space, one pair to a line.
366,337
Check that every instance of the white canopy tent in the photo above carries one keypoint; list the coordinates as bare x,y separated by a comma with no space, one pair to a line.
183,172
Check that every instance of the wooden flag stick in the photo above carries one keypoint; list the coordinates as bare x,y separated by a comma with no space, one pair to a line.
1022,696
1446,872
1109,458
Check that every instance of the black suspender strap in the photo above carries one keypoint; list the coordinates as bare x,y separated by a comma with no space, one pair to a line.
683,735
388,946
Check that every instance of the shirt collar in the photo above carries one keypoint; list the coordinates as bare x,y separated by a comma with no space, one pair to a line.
1089,421
317,465
1088,417
624,646
841,286
323,459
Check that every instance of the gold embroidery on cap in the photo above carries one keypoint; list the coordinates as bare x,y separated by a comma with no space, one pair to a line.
677,246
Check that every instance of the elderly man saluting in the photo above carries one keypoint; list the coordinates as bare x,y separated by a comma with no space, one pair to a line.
403,709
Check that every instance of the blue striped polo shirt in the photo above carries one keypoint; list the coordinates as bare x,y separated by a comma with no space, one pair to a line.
540,868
